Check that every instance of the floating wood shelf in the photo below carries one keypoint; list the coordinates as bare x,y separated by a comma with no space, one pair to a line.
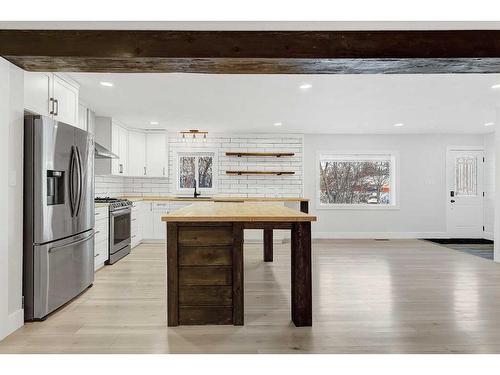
278,173
272,154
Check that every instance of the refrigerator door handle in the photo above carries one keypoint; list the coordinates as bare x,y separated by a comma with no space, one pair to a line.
71,179
56,248
80,180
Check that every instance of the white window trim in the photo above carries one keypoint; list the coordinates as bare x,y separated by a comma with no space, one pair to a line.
200,152
353,155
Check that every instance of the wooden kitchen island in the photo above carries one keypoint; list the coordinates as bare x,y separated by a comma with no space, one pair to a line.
205,260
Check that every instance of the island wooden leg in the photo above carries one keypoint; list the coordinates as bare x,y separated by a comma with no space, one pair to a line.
172,276
301,274
268,245
238,310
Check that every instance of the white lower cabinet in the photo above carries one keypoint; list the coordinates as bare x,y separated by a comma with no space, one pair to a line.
154,228
147,220
101,238
136,224
159,227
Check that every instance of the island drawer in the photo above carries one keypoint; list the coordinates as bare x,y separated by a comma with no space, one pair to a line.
205,276
205,256
207,295
205,236
205,315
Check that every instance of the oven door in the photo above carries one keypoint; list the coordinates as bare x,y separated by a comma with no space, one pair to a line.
119,229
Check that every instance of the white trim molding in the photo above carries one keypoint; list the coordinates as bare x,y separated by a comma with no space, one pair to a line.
352,155
377,235
196,152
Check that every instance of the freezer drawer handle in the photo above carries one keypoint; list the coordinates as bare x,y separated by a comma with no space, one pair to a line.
56,248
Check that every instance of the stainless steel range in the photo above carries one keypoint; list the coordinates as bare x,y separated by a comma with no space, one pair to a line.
120,211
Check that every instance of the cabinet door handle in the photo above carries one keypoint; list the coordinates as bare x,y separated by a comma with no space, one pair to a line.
51,106
95,256
144,171
121,168
133,219
57,107
164,171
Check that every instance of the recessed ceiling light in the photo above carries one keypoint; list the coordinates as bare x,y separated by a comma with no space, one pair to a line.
497,86
154,122
278,123
399,124
489,124
107,84
305,86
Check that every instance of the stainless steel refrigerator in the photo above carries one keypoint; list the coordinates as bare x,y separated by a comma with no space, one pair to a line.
58,261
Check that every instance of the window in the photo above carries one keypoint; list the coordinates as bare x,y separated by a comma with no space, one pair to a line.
466,176
195,169
356,180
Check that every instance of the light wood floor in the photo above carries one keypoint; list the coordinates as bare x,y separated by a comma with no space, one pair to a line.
400,296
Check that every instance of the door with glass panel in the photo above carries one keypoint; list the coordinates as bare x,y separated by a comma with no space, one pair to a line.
464,200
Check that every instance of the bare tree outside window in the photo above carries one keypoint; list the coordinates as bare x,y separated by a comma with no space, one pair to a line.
355,182
186,172
195,169
205,172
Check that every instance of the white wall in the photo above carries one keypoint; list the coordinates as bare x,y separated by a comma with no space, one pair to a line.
496,229
489,185
11,197
421,188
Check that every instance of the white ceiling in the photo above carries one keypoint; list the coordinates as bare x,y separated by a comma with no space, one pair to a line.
334,104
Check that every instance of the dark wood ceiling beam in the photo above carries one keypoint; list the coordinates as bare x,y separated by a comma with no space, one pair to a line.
258,66
454,51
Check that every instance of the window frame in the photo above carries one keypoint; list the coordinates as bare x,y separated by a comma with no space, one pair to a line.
196,154
356,155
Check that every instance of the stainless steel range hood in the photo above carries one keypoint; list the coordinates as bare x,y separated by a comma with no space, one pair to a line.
102,152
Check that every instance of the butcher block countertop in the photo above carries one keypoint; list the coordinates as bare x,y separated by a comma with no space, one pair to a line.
213,199
236,212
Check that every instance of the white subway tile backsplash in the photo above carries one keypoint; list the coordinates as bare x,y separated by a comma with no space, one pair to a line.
230,185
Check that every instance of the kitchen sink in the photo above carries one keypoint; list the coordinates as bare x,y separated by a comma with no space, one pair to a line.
194,199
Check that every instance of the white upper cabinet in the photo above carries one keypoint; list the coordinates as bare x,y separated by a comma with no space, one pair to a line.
123,151
82,117
156,154
51,95
137,153
115,138
119,146
86,118
37,93
141,153
65,96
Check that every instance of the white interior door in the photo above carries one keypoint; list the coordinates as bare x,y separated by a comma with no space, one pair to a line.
465,193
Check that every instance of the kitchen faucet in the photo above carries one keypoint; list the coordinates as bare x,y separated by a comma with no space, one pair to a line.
196,194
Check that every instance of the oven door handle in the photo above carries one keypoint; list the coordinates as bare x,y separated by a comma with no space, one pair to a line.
121,212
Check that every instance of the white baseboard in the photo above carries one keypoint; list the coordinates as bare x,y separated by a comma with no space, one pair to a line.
377,235
13,323
488,236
